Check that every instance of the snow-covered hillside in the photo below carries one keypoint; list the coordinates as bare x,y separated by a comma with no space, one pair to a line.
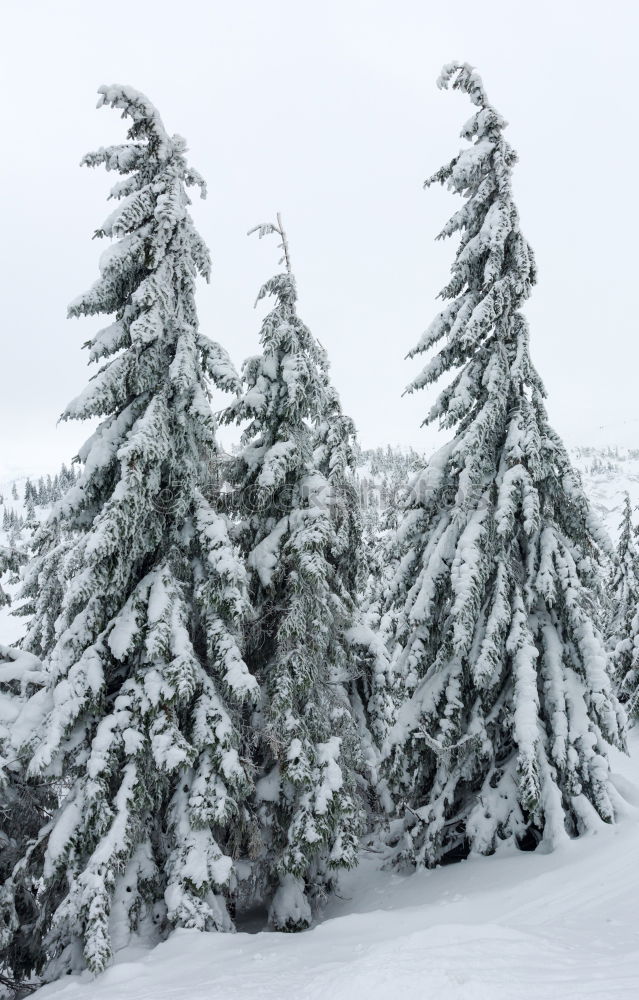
559,926
608,473
25,501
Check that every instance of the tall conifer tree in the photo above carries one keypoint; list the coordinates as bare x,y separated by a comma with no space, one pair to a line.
623,630
24,809
306,750
11,559
137,612
508,711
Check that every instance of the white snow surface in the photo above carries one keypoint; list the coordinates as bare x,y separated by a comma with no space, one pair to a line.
516,926
607,474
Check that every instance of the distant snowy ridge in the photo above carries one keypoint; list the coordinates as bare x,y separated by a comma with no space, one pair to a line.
608,473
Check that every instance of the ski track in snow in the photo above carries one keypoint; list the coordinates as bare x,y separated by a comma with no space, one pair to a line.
560,926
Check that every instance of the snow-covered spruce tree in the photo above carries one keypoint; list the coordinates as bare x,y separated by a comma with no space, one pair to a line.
623,630
377,692
24,807
381,691
145,676
508,707
336,458
305,745
11,559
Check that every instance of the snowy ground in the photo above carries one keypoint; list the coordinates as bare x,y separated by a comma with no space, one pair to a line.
607,475
560,926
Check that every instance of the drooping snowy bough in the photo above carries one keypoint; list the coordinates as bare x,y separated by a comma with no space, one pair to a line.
296,529
507,707
138,598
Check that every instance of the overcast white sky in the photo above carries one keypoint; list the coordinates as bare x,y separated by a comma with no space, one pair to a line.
328,112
